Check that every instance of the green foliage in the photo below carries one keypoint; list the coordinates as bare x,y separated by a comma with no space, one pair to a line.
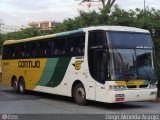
83,20
24,33
148,19
156,41
2,38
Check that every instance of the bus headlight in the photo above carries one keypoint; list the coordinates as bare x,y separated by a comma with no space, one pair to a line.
117,87
152,86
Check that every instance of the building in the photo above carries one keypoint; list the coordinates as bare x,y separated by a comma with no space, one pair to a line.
4,29
43,25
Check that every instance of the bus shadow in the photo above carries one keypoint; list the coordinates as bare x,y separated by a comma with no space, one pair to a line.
111,106
50,96
118,106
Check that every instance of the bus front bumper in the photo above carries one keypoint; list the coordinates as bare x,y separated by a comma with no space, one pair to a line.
131,95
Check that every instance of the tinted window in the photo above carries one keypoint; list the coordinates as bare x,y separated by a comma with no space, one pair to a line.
97,38
28,52
34,49
129,40
76,45
43,48
98,58
124,63
6,51
53,47
59,46
145,65
133,64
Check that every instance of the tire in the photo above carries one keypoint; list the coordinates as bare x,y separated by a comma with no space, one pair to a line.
15,85
21,86
79,94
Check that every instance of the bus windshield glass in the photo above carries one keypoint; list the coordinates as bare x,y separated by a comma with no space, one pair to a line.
129,40
133,64
132,55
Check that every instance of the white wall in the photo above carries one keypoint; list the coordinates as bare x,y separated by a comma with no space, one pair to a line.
9,28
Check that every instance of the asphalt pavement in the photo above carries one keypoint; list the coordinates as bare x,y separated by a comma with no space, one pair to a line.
41,104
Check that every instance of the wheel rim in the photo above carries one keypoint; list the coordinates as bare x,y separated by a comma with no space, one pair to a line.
21,88
80,94
15,85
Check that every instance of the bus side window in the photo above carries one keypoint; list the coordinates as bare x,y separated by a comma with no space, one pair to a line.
47,48
74,47
52,47
28,50
77,45
82,44
59,47
33,49
13,49
56,50
22,51
97,39
40,48
69,46
17,51
8,52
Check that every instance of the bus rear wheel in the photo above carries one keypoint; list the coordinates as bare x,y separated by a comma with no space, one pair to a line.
21,86
79,94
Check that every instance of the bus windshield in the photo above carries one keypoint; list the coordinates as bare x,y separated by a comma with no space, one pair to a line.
133,64
132,56
129,40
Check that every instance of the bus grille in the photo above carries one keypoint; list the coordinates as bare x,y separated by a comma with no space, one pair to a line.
132,86
137,86
143,86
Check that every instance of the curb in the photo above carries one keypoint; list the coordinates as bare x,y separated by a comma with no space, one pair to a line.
156,100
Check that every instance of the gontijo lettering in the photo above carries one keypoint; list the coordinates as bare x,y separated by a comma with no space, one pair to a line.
29,64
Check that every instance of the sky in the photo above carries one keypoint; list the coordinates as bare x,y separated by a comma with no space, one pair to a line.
21,12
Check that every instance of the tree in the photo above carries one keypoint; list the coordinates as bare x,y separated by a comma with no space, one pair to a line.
24,33
1,38
105,3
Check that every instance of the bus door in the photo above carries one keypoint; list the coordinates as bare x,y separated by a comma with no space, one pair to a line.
101,72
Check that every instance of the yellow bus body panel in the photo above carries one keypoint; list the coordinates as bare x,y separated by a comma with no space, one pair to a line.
31,75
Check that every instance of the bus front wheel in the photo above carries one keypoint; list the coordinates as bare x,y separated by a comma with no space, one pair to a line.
79,94
21,86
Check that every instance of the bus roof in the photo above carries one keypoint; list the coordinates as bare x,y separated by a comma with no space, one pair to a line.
117,28
81,30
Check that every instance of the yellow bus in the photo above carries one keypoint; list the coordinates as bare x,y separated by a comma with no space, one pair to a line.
110,64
